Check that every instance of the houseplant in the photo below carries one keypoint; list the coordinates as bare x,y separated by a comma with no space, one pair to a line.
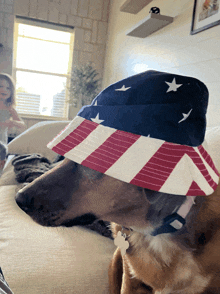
84,85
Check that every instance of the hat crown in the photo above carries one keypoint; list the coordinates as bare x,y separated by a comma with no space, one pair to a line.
165,106
151,87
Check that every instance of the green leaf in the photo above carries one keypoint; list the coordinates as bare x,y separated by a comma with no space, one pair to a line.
84,84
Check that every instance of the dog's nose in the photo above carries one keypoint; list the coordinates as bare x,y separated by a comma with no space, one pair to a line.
24,202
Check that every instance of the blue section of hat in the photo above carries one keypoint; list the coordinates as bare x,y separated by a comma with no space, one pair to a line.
165,106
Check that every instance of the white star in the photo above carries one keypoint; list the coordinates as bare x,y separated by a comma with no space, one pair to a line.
97,120
123,88
173,86
95,104
185,116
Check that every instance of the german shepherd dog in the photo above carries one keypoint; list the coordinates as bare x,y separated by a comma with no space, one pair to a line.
184,262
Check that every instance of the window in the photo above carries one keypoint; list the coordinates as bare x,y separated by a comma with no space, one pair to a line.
43,57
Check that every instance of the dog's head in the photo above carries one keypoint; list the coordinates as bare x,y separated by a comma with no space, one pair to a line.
71,194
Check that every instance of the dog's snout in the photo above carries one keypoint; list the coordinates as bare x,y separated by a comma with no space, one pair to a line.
24,202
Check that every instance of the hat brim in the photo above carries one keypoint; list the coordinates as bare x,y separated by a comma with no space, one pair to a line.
143,161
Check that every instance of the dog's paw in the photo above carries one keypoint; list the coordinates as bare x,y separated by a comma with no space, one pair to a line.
115,228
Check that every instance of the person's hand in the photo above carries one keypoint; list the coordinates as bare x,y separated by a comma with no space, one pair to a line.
9,123
2,163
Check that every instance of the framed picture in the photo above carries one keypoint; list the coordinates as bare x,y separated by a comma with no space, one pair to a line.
206,14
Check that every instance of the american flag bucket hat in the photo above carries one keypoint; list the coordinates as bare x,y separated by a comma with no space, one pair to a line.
147,130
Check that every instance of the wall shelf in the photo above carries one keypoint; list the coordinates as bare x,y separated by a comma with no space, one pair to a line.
152,23
134,6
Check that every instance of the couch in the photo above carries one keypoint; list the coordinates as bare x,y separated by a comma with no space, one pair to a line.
37,259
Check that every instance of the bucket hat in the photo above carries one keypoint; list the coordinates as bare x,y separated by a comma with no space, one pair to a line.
147,130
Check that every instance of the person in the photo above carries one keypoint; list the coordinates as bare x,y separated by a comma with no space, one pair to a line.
9,117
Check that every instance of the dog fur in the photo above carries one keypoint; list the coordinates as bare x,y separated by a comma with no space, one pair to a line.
184,262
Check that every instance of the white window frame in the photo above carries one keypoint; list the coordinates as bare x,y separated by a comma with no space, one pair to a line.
48,25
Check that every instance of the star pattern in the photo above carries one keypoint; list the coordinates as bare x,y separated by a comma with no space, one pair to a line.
173,86
185,116
123,88
97,120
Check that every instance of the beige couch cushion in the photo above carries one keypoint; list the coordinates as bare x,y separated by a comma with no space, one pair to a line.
37,259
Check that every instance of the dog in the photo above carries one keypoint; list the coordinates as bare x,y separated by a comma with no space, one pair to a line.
185,262
136,157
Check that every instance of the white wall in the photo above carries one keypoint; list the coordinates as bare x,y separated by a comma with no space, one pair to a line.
171,49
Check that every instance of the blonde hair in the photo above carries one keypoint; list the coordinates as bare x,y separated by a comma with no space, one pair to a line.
8,78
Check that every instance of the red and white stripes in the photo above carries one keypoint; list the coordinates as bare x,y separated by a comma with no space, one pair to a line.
142,161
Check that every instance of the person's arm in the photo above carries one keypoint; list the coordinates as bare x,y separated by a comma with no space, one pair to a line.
16,121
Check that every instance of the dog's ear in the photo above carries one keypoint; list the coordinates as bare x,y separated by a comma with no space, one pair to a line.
115,273
162,205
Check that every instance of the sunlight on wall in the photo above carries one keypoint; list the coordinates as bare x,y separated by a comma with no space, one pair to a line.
140,67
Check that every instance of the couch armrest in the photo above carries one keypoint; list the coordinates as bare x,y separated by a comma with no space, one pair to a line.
36,138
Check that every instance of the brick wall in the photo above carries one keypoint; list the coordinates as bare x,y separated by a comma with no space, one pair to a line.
89,18
6,35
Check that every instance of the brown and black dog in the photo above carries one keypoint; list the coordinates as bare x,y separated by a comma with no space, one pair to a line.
184,262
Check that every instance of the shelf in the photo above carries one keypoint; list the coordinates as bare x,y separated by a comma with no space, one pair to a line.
152,23
134,6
